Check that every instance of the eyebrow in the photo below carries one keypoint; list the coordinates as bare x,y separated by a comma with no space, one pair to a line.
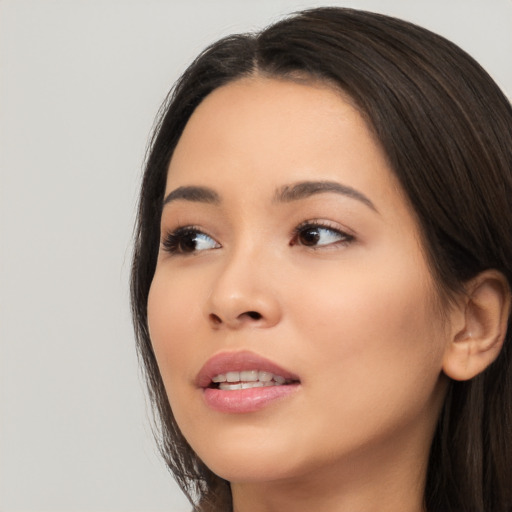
284,194
193,193
305,189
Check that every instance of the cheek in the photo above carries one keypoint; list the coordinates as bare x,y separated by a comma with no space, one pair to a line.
173,311
377,336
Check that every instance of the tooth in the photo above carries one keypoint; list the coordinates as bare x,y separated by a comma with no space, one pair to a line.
219,378
249,376
247,385
233,376
265,376
229,387
279,379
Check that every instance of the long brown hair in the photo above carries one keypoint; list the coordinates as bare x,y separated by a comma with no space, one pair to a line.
446,129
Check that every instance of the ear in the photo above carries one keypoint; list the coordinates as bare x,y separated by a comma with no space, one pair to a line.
484,311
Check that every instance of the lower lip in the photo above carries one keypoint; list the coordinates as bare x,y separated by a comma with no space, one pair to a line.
238,401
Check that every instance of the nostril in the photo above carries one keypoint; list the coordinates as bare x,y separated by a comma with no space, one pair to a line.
215,319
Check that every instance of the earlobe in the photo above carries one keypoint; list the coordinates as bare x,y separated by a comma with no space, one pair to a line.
486,309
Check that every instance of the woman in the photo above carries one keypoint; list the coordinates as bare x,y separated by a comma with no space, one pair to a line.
321,281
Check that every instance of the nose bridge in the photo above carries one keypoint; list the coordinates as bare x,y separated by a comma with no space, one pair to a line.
242,292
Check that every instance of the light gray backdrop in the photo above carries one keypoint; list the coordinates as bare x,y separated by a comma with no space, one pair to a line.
80,82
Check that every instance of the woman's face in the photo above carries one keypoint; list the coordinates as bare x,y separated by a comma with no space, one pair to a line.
289,253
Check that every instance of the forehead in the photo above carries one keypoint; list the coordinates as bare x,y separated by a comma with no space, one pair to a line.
268,132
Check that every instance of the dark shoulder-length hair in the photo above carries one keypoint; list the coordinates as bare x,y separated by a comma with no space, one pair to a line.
446,129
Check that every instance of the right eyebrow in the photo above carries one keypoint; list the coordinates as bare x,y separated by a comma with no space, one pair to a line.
193,193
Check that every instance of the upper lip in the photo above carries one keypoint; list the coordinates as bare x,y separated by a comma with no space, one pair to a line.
238,362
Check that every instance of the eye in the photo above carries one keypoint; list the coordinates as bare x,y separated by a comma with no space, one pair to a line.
188,240
312,234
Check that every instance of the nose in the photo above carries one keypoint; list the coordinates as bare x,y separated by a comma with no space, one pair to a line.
243,295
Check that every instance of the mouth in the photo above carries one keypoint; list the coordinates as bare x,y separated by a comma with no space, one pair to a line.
244,382
248,379
242,370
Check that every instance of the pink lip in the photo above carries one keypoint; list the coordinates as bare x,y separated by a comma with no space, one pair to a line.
242,400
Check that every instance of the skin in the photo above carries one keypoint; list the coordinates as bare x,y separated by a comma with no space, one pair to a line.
355,318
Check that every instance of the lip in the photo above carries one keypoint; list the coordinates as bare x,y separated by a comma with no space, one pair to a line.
238,362
243,400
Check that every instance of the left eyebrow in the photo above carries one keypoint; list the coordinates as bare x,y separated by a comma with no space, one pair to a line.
305,189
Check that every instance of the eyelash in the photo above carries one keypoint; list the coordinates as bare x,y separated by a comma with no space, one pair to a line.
174,242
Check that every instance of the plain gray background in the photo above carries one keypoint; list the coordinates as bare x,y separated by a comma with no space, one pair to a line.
80,83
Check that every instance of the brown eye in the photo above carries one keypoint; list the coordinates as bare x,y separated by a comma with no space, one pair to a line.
309,236
188,241
314,235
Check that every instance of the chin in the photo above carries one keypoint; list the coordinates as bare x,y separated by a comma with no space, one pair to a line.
251,458
254,470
